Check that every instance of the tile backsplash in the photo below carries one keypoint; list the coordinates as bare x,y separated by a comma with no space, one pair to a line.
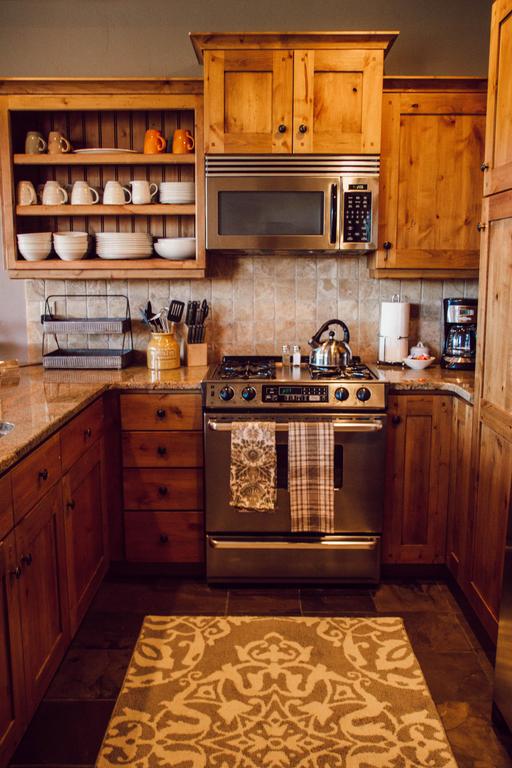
261,302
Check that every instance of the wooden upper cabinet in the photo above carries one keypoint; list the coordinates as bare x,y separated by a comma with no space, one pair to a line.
498,155
293,92
431,182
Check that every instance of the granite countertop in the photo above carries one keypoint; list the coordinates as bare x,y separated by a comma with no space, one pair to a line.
40,401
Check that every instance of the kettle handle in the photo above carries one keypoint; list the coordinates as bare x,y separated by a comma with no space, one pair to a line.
346,335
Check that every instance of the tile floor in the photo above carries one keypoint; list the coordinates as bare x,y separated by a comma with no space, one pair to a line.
69,724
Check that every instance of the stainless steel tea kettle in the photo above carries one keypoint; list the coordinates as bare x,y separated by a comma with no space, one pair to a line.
331,353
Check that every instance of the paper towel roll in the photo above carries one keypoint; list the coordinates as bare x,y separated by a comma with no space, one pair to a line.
394,318
392,350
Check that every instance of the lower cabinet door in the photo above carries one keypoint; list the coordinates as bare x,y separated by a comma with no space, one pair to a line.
417,479
12,694
85,518
461,484
43,593
164,537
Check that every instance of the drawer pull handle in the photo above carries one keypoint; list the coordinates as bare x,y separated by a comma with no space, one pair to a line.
303,128
71,504
16,573
396,420
162,490
164,539
161,450
26,559
88,432
160,413
282,128
43,474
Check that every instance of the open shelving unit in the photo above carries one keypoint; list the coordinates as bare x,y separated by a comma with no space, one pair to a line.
103,112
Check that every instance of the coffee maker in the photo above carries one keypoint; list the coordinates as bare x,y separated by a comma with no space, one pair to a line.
459,349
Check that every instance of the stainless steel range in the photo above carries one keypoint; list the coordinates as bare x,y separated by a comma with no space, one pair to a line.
259,546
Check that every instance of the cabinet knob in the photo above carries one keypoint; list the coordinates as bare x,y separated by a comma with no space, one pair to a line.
16,573
484,167
282,128
396,420
162,490
88,432
26,559
480,226
71,504
164,539
387,245
303,128
43,474
160,413
161,450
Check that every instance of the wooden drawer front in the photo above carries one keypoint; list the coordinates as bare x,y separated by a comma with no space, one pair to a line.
35,475
162,449
164,537
157,411
6,511
80,433
163,488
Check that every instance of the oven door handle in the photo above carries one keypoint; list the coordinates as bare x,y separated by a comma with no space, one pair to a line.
339,426
353,544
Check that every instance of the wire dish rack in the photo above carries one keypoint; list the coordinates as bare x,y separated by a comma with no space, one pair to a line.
69,357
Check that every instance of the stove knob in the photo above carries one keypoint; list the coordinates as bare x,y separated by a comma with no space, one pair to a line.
226,393
363,394
248,393
341,393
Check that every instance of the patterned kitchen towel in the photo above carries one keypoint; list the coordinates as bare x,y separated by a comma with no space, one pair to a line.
253,465
311,476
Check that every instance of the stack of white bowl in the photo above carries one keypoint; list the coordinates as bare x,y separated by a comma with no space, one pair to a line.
176,248
177,192
35,246
70,246
123,245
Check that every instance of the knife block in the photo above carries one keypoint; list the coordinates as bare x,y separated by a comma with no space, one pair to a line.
194,354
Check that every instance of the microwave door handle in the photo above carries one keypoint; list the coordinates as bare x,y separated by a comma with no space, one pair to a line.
334,215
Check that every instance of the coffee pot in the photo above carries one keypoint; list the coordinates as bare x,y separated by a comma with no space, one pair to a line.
331,353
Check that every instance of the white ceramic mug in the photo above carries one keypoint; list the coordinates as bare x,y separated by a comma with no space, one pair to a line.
57,143
54,194
143,192
83,194
114,194
25,193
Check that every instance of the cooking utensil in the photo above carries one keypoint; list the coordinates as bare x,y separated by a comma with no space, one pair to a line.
331,353
175,312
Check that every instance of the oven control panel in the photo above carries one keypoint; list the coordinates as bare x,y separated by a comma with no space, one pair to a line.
289,393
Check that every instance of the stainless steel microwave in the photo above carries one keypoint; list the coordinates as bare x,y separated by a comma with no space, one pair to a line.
295,202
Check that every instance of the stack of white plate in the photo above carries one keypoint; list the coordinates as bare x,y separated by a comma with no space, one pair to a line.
35,246
177,192
123,245
70,246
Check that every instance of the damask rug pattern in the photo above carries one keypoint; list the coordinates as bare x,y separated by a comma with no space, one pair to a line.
274,692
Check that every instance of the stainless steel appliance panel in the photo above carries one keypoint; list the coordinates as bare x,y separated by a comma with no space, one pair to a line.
306,558
359,468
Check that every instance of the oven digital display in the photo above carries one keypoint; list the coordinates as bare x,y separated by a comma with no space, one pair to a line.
295,394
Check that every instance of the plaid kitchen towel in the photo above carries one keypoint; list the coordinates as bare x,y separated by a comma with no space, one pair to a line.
253,465
311,476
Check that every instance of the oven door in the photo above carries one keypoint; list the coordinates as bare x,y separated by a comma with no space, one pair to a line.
359,470
272,212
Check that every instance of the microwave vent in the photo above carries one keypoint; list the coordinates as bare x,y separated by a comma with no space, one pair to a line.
289,165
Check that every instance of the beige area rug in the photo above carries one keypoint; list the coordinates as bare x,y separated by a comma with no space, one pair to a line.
274,692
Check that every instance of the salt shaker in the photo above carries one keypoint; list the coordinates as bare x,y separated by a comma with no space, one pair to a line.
296,355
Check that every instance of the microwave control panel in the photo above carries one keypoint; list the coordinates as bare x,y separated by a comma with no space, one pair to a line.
357,214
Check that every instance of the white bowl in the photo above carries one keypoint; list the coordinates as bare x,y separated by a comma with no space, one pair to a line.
71,256
35,254
34,236
417,364
176,247
72,235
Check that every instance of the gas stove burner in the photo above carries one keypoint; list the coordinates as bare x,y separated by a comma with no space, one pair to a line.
247,368
355,372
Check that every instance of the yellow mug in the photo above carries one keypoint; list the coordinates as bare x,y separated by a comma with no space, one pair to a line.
182,142
154,142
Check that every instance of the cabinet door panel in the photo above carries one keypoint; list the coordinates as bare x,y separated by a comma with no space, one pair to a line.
334,99
499,107
44,599
161,412
248,95
12,699
162,449
164,537
461,485
86,530
163,488
35,475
